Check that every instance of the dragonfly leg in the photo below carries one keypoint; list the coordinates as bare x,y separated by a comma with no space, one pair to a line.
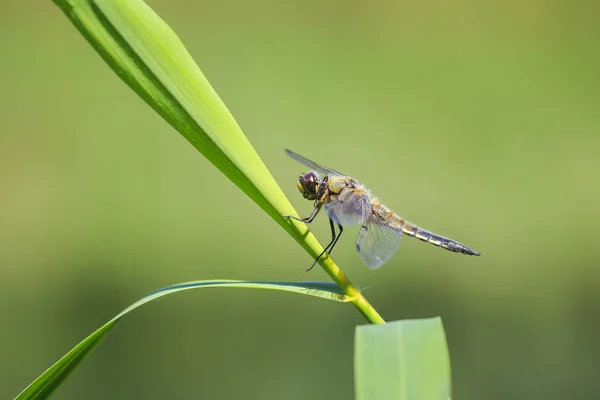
306,220
337,238
331,245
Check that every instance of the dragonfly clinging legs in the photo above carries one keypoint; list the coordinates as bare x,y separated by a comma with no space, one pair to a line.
348,202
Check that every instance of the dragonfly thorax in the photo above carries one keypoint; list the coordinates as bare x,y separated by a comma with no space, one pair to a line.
308,185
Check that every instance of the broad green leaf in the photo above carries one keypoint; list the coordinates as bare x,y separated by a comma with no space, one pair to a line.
402,360
149,57
46,383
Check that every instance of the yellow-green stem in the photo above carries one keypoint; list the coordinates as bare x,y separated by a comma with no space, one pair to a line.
147,55
356,296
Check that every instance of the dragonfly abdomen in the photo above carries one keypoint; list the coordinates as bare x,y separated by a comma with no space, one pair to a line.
437,240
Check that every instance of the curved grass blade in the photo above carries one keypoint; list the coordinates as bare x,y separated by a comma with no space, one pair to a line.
403,360
46,383
149,57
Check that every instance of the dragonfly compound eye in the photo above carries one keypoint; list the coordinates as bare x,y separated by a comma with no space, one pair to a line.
308,185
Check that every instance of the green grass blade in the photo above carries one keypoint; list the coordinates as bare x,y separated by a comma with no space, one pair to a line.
402,360
149,57
46,383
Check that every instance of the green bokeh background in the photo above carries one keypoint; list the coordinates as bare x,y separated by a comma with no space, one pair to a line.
477,120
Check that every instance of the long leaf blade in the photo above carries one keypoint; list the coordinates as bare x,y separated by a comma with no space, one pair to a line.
149,57
46,383
403,360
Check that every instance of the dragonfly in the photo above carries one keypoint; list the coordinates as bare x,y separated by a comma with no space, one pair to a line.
347,202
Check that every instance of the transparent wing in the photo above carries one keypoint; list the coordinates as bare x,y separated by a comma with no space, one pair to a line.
377,243
351,211
317,167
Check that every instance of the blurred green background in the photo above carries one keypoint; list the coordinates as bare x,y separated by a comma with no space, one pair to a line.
477,120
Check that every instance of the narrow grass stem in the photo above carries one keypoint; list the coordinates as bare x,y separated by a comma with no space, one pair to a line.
356,296
149,57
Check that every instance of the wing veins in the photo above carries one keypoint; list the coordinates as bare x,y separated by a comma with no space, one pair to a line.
312,164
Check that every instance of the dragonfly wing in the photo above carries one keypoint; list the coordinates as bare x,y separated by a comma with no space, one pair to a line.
317,167
352,210
377,243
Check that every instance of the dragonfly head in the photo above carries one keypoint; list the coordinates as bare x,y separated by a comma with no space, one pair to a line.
308,185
